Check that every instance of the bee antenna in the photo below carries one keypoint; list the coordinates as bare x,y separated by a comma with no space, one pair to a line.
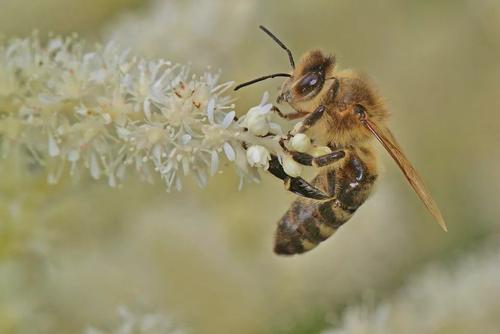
251,82
280,43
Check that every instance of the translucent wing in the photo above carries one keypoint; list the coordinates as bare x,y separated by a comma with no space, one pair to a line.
385,137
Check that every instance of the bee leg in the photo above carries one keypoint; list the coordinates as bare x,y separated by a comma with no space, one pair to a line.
309,160
321,161
297,185
301,187
356,185
276,169
298,114
311,119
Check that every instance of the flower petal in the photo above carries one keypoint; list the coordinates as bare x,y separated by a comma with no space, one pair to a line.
202,178
211,110
95,170
265,97
53,147
276,128
228,119
266,108
214,163
147,108
229,151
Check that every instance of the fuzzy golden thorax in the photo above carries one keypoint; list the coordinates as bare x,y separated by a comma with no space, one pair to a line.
315,81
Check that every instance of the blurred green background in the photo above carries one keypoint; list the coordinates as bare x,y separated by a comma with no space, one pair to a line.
71,254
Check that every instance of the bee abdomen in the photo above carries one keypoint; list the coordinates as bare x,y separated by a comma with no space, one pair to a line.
306,224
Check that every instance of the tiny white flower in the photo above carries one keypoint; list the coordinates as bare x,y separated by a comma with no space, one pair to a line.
257,122
258,118
291,167
258,156
53,147
300,142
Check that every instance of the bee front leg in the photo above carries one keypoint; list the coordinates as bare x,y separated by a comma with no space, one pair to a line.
311,119
297,185
296,115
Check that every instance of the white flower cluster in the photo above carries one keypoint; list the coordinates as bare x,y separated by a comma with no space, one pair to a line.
108,112
206,29
464,299
137,323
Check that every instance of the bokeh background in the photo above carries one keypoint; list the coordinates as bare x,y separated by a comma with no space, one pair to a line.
86,258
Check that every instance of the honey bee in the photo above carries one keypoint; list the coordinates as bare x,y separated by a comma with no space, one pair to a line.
342,110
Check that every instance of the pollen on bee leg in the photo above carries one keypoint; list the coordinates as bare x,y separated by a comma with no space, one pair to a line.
300,142
318,151
291,167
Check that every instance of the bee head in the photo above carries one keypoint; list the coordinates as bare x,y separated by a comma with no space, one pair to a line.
307,80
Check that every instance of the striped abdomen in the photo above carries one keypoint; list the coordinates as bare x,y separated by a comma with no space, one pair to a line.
306,224
309,222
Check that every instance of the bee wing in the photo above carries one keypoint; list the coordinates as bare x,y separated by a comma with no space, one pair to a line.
385,137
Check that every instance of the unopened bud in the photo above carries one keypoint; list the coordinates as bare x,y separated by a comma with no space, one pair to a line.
258,156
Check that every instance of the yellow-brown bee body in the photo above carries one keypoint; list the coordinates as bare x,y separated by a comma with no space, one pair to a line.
309,222
342,110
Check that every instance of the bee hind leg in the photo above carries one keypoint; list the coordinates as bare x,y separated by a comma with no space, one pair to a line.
297,185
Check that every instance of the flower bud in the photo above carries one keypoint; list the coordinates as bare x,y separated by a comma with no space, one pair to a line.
291,167
300,142
258,124
257,119
258,156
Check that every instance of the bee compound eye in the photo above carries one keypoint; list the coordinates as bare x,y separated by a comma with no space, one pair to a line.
309,82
